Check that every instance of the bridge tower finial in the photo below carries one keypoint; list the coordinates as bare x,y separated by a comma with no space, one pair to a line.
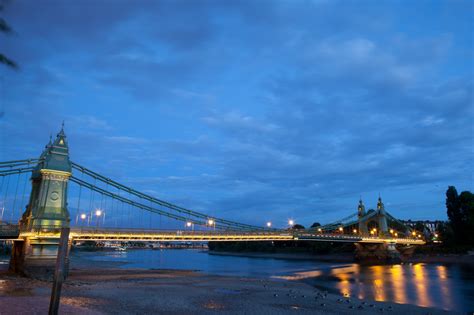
380,205
382,218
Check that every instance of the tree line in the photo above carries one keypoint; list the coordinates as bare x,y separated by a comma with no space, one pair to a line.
459,230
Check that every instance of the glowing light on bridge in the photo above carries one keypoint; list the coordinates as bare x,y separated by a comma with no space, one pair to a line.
269,224
291,222
354,231
341,229
211,222
98,212
189,224
83,216
320,230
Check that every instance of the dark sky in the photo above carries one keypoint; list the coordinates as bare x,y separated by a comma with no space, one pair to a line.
251,110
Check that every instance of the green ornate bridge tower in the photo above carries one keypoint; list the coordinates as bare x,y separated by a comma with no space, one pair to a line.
34,254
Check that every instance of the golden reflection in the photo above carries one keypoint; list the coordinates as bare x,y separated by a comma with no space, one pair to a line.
344,285
344,275
398,284
447,299
378,283
421,285
301,275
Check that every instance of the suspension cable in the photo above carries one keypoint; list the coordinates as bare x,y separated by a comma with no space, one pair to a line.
129,201
162,202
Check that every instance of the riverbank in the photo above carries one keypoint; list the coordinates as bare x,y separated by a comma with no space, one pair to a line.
139,291
349,257
343,257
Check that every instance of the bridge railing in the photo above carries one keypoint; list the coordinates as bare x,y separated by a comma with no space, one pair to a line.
90,230
102,230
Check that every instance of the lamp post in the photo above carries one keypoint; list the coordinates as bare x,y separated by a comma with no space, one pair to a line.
83,217
212,223
98,213
189,224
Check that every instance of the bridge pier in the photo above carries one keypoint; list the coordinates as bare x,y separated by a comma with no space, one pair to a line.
376,253
35,257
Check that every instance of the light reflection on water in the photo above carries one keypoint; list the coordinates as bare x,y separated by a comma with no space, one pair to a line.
450,287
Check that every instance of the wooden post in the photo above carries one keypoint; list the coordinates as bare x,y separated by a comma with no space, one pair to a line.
59,271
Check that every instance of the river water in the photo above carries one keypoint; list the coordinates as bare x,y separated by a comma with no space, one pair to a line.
449,287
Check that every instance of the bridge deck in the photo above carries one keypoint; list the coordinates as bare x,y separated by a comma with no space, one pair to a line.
88,234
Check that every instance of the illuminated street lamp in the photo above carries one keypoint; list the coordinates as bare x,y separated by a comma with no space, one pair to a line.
320,230
372,232
436,235
83,217
391,231
269,224
291,222
98,213
341,229
413,233
190,224
212,223
354,231
396,234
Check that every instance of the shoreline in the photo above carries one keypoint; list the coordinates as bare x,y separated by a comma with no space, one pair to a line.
349,257
344,258
143,291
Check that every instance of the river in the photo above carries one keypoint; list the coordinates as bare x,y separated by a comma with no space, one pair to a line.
445,286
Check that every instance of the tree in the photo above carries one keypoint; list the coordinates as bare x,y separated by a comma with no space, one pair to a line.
6,29
466,205
460,210
315,225
453,207
297,227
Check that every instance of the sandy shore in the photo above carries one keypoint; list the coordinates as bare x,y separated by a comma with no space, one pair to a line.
138,291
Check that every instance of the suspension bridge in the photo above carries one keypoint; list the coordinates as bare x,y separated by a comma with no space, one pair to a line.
97,208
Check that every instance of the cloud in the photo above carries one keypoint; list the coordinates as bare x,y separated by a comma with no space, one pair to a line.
252,110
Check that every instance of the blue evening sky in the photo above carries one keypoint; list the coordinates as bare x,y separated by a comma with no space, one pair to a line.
251,110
